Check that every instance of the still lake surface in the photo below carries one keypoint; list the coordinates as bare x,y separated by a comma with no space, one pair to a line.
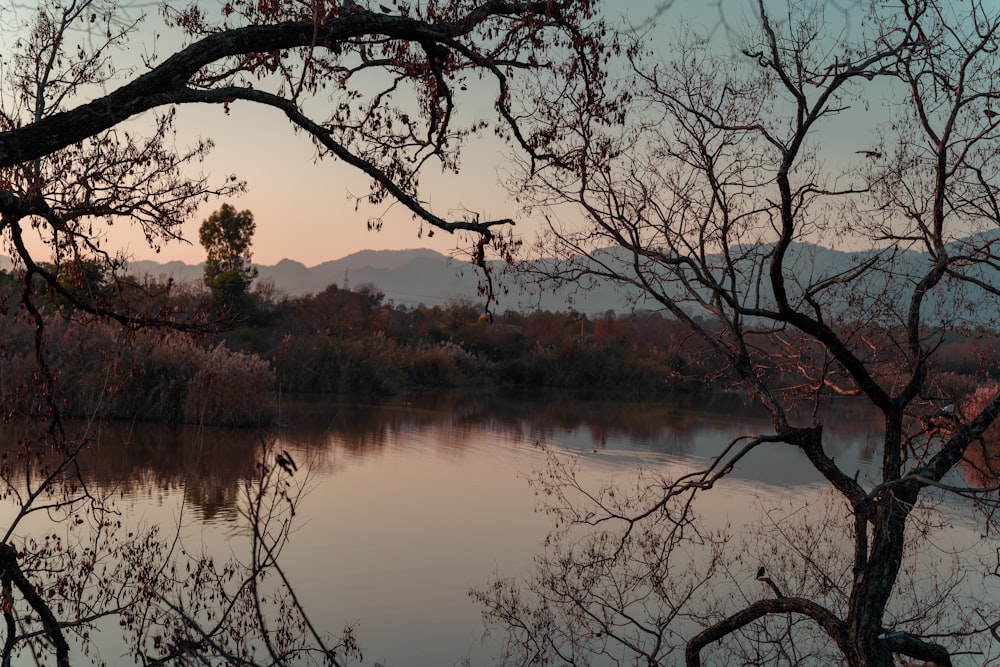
415,500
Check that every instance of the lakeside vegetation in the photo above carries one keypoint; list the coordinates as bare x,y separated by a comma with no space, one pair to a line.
225,360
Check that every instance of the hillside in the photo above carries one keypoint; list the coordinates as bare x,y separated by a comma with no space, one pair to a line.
422,276
407,277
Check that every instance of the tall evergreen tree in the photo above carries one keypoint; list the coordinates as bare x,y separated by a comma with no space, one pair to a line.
226,236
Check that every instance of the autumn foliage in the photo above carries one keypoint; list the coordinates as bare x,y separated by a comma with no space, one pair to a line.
352,341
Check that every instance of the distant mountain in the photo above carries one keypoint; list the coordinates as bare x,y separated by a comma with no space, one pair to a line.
423,276
179,271
407,277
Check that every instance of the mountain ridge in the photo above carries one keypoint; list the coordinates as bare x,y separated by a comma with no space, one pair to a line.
422,276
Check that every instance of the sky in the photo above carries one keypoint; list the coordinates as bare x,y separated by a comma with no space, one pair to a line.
304,208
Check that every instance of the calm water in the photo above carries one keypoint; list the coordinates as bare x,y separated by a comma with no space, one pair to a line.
415,501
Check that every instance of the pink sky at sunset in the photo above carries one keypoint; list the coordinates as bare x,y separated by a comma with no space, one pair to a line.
303,208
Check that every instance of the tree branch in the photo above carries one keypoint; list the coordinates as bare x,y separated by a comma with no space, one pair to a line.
834,627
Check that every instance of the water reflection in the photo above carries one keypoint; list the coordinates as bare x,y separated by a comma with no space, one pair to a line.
664,425
419,498
207,465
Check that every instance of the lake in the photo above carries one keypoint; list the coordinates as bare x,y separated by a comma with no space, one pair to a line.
415,500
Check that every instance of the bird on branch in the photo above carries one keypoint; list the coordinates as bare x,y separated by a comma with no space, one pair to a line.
947,411
869,153
762,576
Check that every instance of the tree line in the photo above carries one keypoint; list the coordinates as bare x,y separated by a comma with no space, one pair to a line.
233,360
245,346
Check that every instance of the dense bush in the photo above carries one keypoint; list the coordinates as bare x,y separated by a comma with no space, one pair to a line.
146,375
321,363
446,364
352,342
343,341
228,388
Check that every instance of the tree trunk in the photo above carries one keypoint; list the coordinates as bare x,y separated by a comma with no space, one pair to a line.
874,584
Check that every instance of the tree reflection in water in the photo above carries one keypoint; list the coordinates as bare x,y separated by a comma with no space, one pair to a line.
209,464
403,518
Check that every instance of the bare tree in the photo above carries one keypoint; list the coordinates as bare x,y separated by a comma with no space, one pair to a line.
87,112
85,570
239,611
730,160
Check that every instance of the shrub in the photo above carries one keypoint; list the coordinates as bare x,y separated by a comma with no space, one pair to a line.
228,388
145,375
443,365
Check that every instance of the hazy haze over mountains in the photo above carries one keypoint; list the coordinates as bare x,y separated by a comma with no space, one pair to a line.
406,277
423,276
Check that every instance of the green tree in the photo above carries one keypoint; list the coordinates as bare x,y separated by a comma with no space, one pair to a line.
226,236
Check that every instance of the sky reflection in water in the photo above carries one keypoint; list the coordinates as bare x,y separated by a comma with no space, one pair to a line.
414,501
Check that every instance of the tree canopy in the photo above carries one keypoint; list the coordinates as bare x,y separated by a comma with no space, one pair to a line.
378,90
227,236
